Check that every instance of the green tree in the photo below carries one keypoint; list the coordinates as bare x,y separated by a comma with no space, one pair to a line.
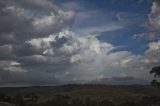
156,72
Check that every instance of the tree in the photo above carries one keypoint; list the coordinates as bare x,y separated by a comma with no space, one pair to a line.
155,83
156,72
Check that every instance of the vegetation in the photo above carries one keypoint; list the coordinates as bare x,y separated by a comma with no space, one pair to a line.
156,72
82,95
60,100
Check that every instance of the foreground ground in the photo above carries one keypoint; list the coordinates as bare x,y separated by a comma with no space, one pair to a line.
117,95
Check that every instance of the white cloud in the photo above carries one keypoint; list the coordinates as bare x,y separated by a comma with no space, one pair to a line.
14,10
45,21
54,20
75,58
154,16
86,59
153,46
11,66
36,58
48,52
87,22
100,28
14,63
90,58
152,25
85,48
39,43
66,15
153,53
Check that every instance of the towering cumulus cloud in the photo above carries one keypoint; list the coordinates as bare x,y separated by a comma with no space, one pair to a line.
39,46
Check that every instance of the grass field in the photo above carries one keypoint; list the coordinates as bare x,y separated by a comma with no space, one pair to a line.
117,94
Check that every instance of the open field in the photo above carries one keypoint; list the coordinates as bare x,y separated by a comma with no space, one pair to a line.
116,94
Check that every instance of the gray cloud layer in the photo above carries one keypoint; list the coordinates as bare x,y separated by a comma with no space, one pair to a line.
26,19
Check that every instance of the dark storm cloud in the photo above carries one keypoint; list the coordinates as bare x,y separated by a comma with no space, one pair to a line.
6,52
23,20
12,73
13,25
25,50
59,41
20,20
12,78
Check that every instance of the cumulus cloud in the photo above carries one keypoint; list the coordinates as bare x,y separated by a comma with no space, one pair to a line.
154,17
153,25
68,57
38,46
153,53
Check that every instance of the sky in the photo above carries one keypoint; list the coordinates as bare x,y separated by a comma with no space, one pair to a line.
56,42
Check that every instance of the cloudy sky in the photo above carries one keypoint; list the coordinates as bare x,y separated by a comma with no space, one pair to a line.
54,42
